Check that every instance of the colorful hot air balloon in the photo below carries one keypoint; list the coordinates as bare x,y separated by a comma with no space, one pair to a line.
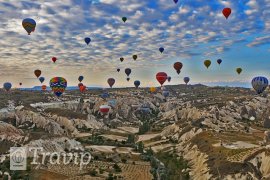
41,79
137,83
153,89
239,70
178,66
169,78
161,49
135,57
161,77
87,40
128,71
207,63
80,84
118,70
121,59
29,25
44,87
80,78
54,59
175,1
37,73
82,88
104,109
227,12
111,82
219,61
7,86
58,85
186,80
165,93
259,84
124,19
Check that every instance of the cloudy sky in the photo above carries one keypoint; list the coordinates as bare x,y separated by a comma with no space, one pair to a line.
191,31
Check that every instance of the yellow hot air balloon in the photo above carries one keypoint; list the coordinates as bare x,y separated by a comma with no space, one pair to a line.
207,63
239,70
153,89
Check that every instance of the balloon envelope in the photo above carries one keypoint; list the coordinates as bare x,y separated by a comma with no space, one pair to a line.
175,1
87,40
54,59
165,93
121,59
37,72
207,63
178,66
186,80
111,82
239,70
259,84
82,88
161,49
80,78
124,19
137,83
135,57
41,79
128,71
7,86
227,12
58,85
161,77
153,89
105,95
29,25
219,61
104,109
43,87
169,78
118,70
80,84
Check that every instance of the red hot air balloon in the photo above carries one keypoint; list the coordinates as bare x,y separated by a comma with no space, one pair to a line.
161,77
178,66
111,82
227,12
82,88
43,87
104,109
54,59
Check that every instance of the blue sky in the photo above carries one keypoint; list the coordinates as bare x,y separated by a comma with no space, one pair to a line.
191,31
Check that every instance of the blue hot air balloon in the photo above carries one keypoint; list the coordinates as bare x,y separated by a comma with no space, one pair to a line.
169,78
41,79
259,84
29,25
161,49
87,40
80,78
186,80
219,61
165,93
7,86
105,95
128,71
137,83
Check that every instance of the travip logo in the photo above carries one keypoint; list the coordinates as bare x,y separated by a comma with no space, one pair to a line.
18,158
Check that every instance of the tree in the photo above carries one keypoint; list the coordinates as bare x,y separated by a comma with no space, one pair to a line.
140,147
131,139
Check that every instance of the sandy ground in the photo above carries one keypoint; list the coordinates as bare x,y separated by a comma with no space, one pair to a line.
80,135
146,137
114,137
132,130
237,145
110,149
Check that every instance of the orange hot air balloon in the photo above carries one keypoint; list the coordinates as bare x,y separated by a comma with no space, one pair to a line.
44,87
37,73
153,89
82,88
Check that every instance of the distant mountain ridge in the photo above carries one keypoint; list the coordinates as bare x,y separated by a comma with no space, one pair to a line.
70,88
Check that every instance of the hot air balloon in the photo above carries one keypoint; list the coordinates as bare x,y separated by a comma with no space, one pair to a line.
165,93
112,102
135,57
128,71
54,59
118,70
175,1
137,83
178,66
111,82
219,61
105,95
207,63
37,73
124,19
161,77
186,80
227,12
7,86
41,79
80,84
161,49
169,78
121,59
58,85
153,89
239,70
87,40
80,78
128,79
29,25
20,84
82,88
104,109
259,84
43,87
